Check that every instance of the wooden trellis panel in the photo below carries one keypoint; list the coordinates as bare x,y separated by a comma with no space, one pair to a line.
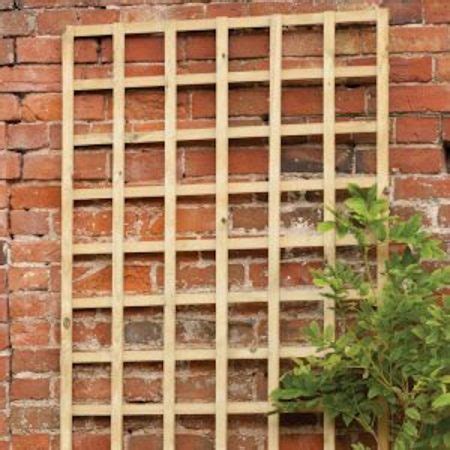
222,188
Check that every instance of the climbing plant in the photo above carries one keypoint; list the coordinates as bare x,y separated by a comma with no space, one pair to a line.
395,350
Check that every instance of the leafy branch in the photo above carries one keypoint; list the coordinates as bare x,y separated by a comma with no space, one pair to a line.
396,350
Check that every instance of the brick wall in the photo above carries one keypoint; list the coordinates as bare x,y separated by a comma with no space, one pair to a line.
30,146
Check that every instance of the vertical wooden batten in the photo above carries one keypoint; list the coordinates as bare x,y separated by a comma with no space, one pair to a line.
118,212
66,241
221,233
329,177
273,301
170,179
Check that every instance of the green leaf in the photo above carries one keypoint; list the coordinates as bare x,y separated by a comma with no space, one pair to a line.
413,413
323,227
442,401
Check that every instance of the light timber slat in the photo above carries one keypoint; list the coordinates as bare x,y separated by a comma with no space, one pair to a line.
156,409
221,353
329,176
170,179
118,214
189,354
249,76
199,298
255,131
383,168
242,187
273,301
193,245
66,242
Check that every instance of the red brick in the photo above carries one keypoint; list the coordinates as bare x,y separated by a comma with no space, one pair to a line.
5,364
405,160
27,278
33,418
417,129
142,49
29,389
226,9
419,39
26,196
446,128
42,360
84,441
38,50
422,187
443,68
54,21
46,107
48,50
408,69
30,78
24,305
4,194
404,12
16,23
41,166
35,251
34,441
9,107
444,216
420,98
301,442
6,51
29,222
2,136
436,11
25,136
90,106
24,334
4,336
9,165
93,165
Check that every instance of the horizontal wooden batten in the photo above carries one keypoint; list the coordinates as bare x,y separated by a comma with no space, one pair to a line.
200,245
243,132
189,354
250,76
156,409
243,187
204,298
362,16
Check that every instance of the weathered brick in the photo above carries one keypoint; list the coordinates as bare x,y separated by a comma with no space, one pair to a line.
443,68
30,78
23,136
26,196
444,216
436,11
27,278
408,69
419,39
35,251
9,107
29,222
54,21
39,361
33,418
420,98
401,12
417,129
9,165
27,441
422,187
16,23
46,107
30,389
6,51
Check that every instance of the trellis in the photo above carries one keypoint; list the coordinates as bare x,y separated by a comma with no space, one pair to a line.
222,188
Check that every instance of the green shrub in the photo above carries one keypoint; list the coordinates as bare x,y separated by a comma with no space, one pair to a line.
396,349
